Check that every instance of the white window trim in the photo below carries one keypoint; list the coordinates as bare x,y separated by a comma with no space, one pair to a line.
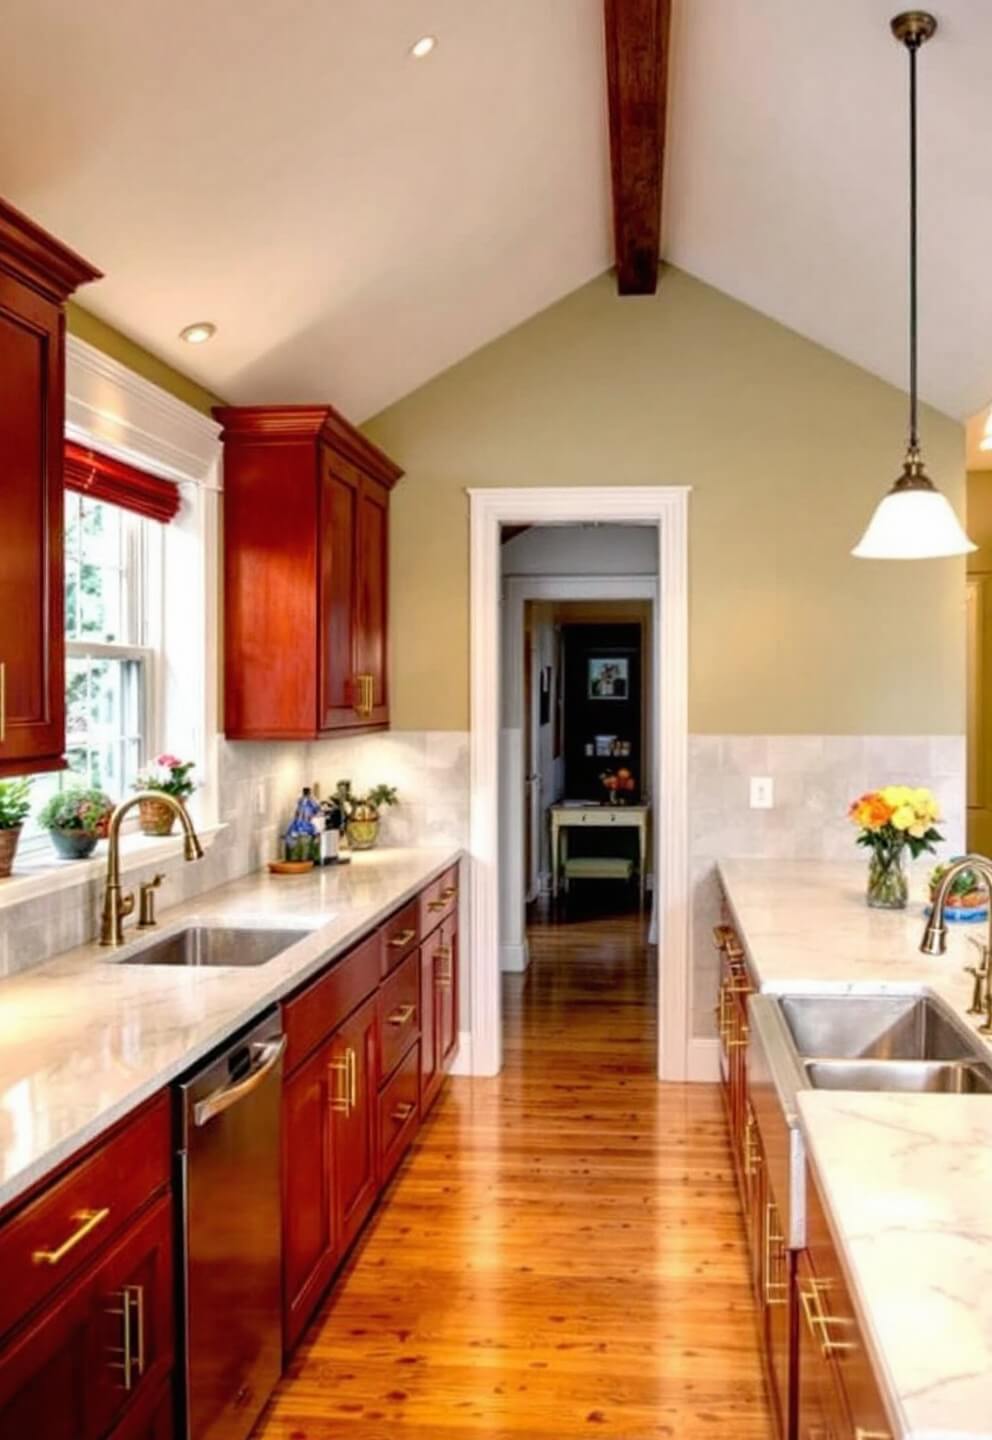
116,411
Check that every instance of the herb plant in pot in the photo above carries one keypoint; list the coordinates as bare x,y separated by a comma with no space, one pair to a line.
362,813
15,805
76,819
171,776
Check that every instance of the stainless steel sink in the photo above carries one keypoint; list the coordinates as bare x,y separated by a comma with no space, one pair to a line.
948,1077
216,946
875,1027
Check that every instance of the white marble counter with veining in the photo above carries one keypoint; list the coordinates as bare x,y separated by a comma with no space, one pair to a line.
85,1039
906,1179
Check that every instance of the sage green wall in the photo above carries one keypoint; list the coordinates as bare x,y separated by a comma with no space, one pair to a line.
112,342
787,448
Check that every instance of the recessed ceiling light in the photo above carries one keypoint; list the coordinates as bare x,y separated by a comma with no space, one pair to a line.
199,333
423,46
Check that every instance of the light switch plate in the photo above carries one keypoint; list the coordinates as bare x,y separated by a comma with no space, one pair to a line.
762,792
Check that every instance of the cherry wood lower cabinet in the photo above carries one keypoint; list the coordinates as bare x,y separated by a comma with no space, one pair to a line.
94,1358
355,1087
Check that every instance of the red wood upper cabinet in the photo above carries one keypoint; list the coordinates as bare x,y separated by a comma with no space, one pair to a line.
306,542
37,275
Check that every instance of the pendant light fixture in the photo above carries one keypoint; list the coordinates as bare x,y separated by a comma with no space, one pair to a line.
914,521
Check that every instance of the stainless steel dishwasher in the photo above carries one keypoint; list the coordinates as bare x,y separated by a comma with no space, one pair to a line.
229,1128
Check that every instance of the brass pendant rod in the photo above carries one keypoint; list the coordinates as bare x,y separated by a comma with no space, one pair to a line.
914,428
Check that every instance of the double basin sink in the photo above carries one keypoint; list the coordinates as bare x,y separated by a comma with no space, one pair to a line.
884,1042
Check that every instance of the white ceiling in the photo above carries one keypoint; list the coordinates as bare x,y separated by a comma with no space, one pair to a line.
354,221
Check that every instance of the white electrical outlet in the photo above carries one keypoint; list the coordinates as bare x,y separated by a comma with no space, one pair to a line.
762,792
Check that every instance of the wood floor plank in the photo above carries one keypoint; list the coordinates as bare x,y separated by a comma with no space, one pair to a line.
562,1253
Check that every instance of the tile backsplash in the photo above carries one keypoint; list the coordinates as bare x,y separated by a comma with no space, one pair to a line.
258,785
815,779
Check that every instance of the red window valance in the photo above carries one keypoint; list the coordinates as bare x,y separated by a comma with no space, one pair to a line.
107,479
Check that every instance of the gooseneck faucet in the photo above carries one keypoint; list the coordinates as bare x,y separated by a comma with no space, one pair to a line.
934,940
116,906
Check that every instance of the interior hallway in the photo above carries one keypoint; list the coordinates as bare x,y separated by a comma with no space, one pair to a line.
562,1253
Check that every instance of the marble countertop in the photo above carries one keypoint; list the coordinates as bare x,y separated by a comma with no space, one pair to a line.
906,1179
85,1039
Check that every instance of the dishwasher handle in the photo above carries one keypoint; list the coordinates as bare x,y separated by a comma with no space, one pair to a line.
267,1057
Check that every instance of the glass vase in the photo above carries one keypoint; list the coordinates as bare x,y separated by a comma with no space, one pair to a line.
888,887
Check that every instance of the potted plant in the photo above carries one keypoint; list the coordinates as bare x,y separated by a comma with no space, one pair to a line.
966,899
890,821
15,805
171,776
76,819
362,812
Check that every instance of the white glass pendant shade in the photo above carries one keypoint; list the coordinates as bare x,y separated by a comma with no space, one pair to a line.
913,524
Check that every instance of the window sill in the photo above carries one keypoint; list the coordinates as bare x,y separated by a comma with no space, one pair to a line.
37,874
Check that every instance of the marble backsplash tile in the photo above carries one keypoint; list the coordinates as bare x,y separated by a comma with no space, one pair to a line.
815,777
258,784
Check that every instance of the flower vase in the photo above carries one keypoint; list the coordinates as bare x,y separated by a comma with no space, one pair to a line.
888,888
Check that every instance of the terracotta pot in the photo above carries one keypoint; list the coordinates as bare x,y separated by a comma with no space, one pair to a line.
8,848
156,818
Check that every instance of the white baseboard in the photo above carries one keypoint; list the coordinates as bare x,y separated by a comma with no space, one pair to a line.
703,1060
514,958
462,1063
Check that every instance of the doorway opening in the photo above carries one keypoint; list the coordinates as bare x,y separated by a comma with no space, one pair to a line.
506,864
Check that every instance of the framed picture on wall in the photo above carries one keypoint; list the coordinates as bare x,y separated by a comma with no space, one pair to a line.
608,679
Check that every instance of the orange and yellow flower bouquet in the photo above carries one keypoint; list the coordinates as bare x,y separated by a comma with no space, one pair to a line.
890,821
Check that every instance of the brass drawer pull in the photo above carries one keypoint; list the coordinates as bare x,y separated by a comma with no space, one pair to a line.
340,1065
87,1221
815,1317
449,892
861,1433
402,938
403,1112
436,905
352,1059
772,1239
401,1016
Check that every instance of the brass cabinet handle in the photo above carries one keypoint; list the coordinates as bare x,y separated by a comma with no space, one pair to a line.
402,1112
860,1433
401,1016
815,1317
87,1221
772,1239
132,1347
402,938
365,698
341,1066
437,905
449,892
352,1060
752,1155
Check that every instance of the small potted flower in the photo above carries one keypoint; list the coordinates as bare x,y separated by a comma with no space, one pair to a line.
15,806
76,819
362,813
171,776
891,821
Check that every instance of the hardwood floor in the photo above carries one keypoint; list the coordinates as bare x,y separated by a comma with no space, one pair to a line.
562,1254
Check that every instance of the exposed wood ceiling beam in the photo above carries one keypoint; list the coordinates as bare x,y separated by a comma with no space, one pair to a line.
637,83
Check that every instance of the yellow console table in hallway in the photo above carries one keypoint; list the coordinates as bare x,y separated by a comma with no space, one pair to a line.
588,817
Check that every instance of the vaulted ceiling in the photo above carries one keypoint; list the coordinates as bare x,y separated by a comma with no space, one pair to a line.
354,220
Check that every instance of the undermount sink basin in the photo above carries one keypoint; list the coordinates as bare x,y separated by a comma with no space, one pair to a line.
947,1077
216,945
875,1027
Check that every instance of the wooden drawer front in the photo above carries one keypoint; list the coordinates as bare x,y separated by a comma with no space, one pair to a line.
827,1311
399,1013
439,900
58,1231
103,1348
400,935
399,1112
308,1018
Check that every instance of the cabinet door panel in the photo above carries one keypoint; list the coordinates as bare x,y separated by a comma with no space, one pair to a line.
339,511
89,1358
32,646
353,1056
447,1039
309,1239
372,565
